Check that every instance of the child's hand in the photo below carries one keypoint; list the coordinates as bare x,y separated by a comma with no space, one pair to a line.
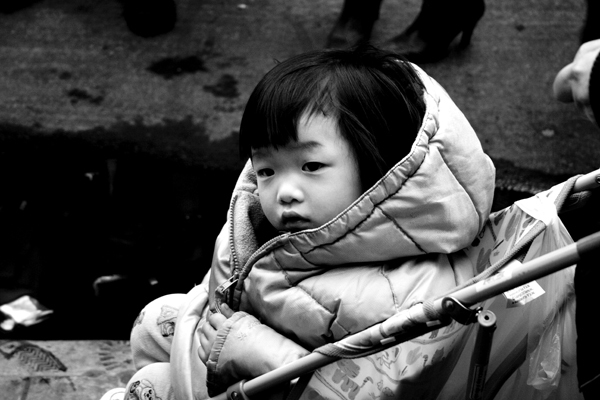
208,331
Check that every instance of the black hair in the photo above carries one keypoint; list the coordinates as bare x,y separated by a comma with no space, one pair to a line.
376,97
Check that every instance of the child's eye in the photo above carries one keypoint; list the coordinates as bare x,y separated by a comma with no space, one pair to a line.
312,166
264,172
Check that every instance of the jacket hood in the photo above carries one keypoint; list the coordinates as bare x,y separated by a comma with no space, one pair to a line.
434,200
396,245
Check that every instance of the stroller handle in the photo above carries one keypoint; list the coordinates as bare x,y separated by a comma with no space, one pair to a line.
519,274
589,181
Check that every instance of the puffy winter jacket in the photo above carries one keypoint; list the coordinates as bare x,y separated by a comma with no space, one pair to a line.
398,244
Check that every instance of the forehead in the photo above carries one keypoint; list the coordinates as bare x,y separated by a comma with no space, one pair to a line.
317,126
316,131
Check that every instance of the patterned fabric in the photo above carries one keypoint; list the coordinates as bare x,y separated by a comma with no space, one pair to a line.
417,369
542,331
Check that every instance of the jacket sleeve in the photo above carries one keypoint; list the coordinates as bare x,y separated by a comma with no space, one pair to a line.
245,349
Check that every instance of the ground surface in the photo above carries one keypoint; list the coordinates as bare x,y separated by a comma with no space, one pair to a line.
65,370
71,70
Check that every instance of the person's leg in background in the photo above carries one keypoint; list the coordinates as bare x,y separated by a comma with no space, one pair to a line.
354,24
591,27
428,38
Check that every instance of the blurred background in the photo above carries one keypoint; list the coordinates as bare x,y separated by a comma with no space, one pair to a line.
118,133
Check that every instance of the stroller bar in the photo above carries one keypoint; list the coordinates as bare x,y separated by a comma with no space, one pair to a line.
281,375
588,181
517,274
481,354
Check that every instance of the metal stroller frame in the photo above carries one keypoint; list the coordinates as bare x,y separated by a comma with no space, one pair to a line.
426,317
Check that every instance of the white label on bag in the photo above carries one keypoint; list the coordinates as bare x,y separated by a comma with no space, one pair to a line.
523,294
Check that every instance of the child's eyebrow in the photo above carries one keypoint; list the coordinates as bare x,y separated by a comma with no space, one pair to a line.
308,145
259,152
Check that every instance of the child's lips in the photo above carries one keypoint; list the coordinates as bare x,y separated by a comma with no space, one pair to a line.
292,221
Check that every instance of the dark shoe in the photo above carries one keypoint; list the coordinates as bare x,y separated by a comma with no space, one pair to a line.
11,6
431,34
354,24
148,18
591,28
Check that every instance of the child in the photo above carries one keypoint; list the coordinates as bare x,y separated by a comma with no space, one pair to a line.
364,183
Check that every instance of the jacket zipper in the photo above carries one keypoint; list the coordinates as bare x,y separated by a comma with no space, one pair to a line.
226,290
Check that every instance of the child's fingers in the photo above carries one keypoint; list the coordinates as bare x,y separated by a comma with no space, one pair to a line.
208,330
208,334
203,351
226,311
216,320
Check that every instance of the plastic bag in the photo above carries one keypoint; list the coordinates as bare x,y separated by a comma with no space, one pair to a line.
550,346
541,331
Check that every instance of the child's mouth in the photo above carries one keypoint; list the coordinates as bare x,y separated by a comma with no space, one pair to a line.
294,222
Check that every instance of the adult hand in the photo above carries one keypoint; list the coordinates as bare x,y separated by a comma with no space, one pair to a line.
572,82
209,329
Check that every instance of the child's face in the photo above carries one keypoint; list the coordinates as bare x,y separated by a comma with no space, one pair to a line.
307,182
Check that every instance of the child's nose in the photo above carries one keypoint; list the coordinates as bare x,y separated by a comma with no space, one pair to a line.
289,192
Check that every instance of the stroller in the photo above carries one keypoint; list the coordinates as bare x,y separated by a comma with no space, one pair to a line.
495,337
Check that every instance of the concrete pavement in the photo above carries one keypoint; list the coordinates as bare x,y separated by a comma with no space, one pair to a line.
63,370
72,69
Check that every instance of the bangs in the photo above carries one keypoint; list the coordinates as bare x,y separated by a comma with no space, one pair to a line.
375,97
278,102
